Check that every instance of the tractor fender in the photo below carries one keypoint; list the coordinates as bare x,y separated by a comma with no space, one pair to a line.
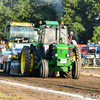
40,51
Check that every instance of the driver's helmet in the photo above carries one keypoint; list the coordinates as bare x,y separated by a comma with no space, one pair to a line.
71,33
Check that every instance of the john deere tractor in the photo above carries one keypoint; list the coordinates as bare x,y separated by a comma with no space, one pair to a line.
53,53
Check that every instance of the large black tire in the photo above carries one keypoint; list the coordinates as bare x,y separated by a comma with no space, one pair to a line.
4,67
44,69
25,61
8,67
76,70
36,58
34,62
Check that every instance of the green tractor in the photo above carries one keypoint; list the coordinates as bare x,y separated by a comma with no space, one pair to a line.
53,53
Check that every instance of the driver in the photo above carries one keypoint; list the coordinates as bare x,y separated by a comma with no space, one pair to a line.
71,34
74,42
51,37
14,33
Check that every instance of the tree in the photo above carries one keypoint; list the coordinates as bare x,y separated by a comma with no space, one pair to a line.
96,34
31,11
81,16
44,12
6,14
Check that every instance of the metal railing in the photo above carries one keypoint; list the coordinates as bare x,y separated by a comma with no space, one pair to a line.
91,59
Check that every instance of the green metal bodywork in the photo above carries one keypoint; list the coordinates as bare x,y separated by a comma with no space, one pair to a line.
59,52
51,22
55,64
36,43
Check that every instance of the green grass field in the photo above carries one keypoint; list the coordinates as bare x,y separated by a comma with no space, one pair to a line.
94,67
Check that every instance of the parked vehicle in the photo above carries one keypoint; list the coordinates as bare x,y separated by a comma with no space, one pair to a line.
17,36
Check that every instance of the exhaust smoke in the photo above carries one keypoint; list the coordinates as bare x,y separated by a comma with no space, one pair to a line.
57,5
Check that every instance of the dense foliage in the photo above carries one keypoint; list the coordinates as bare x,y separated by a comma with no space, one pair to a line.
25,11
96,34
82,16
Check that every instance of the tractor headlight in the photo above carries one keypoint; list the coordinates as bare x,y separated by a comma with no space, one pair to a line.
56,55
47,26
67,55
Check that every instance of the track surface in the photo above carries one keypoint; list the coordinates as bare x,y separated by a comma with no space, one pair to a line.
85,85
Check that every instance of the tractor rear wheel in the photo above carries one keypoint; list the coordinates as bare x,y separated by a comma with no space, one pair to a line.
76,70
34,62
44,69
25,61
4,67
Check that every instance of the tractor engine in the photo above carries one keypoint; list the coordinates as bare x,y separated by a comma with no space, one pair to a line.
61,54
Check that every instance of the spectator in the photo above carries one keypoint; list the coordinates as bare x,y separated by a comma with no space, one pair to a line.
71,34
74,42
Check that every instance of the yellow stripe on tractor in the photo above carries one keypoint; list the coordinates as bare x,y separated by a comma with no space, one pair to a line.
20,24
60,48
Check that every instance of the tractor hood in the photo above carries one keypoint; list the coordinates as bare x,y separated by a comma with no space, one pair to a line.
61,50
62,54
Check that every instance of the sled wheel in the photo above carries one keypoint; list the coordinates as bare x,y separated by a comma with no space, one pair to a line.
8,67
4,67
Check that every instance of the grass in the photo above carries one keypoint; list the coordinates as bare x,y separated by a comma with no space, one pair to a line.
94,67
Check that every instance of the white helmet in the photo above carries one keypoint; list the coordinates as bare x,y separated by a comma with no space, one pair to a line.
71,32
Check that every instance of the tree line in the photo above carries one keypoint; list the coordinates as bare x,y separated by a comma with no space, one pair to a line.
81,16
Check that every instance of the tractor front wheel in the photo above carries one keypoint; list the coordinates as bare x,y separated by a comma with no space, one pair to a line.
44,69
25,61
76,70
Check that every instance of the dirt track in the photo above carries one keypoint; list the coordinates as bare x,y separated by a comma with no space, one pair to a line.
84,86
